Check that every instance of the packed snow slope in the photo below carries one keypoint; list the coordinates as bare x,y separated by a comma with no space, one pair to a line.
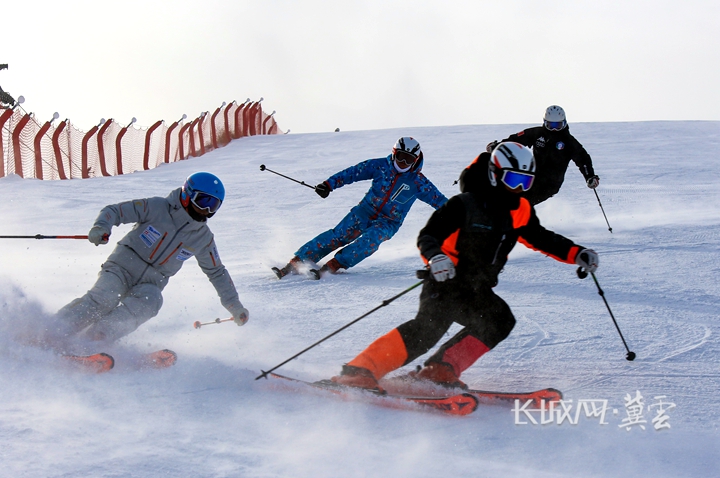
209,417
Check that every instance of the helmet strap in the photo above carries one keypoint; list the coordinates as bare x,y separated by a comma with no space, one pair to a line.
491,174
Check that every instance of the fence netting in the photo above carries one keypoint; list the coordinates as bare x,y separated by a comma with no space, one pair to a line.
61,151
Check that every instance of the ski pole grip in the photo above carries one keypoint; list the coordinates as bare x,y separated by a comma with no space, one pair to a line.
422,274
581,273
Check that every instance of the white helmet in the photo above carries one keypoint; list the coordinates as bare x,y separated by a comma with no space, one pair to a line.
514,165
555,118
406,153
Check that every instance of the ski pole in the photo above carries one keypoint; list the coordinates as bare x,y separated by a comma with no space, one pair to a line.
603,211
198,324
581,273
264,373
40,236
263,168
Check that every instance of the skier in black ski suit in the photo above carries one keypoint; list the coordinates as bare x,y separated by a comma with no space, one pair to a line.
4,95
553,147
466,244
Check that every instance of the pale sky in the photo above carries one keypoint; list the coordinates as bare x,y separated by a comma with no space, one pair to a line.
361,65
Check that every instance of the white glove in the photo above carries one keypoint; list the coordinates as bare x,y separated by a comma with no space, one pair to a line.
588,260
240,314
442,267
98,235
491,146
593,182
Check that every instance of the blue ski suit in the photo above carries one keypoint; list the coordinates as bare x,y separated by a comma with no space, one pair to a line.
378,216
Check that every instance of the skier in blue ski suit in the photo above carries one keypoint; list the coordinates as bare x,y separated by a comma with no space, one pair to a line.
396,183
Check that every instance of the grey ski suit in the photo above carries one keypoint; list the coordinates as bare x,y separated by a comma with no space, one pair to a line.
128,291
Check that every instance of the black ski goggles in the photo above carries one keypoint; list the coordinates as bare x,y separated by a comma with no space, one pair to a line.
555,125
205,201
515,179
404,158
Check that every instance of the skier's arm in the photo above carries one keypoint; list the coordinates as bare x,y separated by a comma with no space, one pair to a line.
359,172
138,210
582,160
536,237
429,193
525,137
210,263
442,224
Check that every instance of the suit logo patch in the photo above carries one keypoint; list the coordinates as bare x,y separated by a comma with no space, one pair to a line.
560,145
150,236
184,255
540,142
403,187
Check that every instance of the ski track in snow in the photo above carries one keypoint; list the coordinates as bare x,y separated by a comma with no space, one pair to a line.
208,416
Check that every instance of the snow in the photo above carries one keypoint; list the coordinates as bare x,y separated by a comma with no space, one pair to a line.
208,416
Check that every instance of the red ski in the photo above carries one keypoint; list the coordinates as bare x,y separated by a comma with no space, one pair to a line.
407,385
456,404
102,362
95,363
160,359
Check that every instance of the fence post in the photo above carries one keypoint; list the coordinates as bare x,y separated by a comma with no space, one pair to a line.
146,152
58,152
16,144
180,139
213,130
85,169
38,151
3,119
101,148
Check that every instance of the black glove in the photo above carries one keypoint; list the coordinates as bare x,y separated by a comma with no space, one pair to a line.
323,190
593,182
491,146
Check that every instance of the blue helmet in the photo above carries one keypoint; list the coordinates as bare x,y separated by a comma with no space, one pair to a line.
204,190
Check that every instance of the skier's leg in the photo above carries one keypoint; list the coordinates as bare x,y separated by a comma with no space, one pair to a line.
365,245
345,232
142,303
490,322
99,301
396,348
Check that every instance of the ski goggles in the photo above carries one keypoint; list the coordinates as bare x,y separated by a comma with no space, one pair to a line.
205,201
555,125
403,157
515,179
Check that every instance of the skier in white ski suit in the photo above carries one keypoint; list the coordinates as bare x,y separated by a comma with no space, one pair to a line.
167,232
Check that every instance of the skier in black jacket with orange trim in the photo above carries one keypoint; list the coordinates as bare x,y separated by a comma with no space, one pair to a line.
466,243
553,147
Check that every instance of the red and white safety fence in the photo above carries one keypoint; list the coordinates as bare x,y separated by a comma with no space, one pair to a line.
48,151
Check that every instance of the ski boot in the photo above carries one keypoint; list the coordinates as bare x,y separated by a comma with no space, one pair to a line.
290,268
357,377
332,266
440,373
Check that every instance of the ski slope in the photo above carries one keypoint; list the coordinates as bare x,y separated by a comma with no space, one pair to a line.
208,417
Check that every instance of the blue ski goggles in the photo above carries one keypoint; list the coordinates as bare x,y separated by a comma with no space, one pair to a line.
555,125
205,201
515,179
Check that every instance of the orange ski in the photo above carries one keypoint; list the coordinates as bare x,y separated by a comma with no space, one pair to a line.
96,363
160,359
459,404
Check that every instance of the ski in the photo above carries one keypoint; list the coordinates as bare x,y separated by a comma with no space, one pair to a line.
456,404
95,363
102,362
161,359
407,385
